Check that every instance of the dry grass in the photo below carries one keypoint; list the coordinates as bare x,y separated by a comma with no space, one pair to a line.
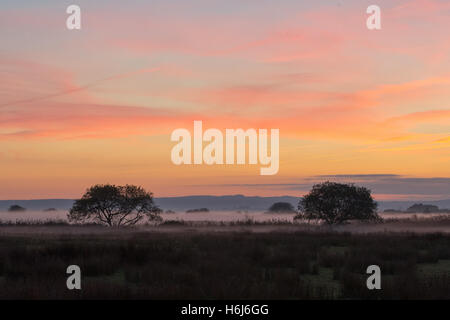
188,264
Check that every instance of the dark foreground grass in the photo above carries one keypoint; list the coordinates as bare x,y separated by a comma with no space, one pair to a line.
226,265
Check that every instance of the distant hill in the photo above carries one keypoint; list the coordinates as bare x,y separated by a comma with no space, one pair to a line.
40,204
234,202
230,202
404,205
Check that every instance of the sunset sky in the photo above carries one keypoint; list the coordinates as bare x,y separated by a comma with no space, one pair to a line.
98,105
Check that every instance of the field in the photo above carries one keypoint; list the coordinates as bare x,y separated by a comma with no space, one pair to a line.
184,262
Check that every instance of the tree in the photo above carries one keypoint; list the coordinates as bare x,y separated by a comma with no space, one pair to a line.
282,207
115,206
422,208
16,208
336,203
197,210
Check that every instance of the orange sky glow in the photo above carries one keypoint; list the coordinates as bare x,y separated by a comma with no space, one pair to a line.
98,105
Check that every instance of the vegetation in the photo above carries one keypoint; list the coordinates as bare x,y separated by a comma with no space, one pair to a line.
197,210
115,206
422,208
392,211
282,207
16,208
336,203
34,222
225,265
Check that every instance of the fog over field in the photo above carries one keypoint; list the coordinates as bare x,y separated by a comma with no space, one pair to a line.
221,221
217,203
217,216
226,216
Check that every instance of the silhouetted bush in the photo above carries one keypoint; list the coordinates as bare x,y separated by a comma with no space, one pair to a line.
16,208
197,210
282,207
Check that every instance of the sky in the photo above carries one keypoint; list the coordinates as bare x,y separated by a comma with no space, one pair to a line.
98,105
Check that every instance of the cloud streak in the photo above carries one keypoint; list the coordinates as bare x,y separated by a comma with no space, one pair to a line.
345,99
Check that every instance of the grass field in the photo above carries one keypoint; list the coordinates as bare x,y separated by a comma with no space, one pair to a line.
224,265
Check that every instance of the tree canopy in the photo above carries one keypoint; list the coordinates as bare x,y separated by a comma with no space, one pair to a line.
115,206
16,208
422,208
282,207
337,203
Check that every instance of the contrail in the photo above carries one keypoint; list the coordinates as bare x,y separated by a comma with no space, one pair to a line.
92,84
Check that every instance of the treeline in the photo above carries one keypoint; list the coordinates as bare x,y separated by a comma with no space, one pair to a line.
420,208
